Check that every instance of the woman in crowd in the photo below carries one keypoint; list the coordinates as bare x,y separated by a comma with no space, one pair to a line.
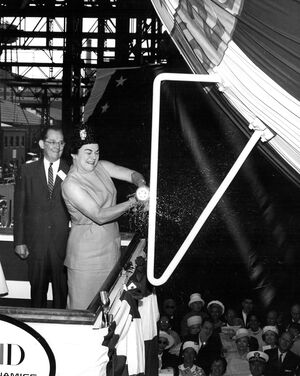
196,306
216,310
165,359
272,318
270,337
230,315
194,327
165,325
255,330
90,195
188,367
237,362
227,336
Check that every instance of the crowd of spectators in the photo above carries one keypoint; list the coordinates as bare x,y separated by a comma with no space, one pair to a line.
211,339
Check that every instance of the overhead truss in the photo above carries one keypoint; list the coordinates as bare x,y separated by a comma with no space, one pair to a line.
62,43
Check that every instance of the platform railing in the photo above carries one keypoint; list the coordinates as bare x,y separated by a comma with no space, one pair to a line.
133,243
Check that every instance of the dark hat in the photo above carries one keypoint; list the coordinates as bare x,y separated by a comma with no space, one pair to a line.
82,134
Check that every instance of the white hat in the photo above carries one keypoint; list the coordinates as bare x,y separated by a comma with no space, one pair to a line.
196,298
191,344
257,355
194,320
168,337
218,303
270,328
240,333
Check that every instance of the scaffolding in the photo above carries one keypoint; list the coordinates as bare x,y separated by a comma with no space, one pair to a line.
53,48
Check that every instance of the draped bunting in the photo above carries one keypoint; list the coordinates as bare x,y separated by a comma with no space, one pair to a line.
255,48
131,339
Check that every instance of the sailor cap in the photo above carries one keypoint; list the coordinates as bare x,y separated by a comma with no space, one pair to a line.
257,355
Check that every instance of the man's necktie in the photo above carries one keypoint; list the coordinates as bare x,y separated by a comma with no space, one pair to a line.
50,179
280,358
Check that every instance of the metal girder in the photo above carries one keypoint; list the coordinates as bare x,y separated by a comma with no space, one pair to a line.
110,41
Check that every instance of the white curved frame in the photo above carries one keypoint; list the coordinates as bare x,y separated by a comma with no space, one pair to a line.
260,131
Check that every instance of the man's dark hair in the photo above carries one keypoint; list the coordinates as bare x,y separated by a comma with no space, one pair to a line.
45,130
224,362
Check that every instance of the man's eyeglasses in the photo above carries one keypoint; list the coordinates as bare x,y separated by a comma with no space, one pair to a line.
60,144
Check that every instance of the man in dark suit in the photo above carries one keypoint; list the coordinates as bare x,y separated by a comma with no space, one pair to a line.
294,316
41,221
281,360
247,308
210,346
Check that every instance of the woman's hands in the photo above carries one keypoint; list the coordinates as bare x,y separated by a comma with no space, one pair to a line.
133,202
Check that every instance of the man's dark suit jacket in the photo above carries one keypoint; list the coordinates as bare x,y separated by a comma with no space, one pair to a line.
240,315
170,361
209,352
290,365
38,220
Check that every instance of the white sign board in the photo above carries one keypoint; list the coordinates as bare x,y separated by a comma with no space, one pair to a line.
23,351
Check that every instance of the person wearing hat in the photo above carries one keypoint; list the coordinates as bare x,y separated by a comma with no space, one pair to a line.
270,337
237,362
282,361
90,195
196,306
165,325
257,362
227,336
216,310
188,367
194,326
165,359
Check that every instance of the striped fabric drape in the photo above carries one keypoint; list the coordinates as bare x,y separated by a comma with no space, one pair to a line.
255,48
132,338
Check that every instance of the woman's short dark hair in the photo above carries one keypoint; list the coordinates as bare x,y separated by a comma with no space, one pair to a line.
83,134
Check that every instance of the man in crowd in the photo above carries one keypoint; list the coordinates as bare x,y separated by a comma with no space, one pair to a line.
247,308
282,361
294,316
41,220
210,346
257,362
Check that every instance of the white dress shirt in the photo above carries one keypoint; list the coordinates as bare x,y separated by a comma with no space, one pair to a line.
55,167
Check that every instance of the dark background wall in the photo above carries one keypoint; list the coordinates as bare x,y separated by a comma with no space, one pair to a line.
249,245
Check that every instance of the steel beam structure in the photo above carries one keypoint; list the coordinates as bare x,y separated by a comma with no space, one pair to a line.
64,42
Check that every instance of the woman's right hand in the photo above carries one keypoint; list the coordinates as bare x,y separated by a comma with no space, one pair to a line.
133,202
